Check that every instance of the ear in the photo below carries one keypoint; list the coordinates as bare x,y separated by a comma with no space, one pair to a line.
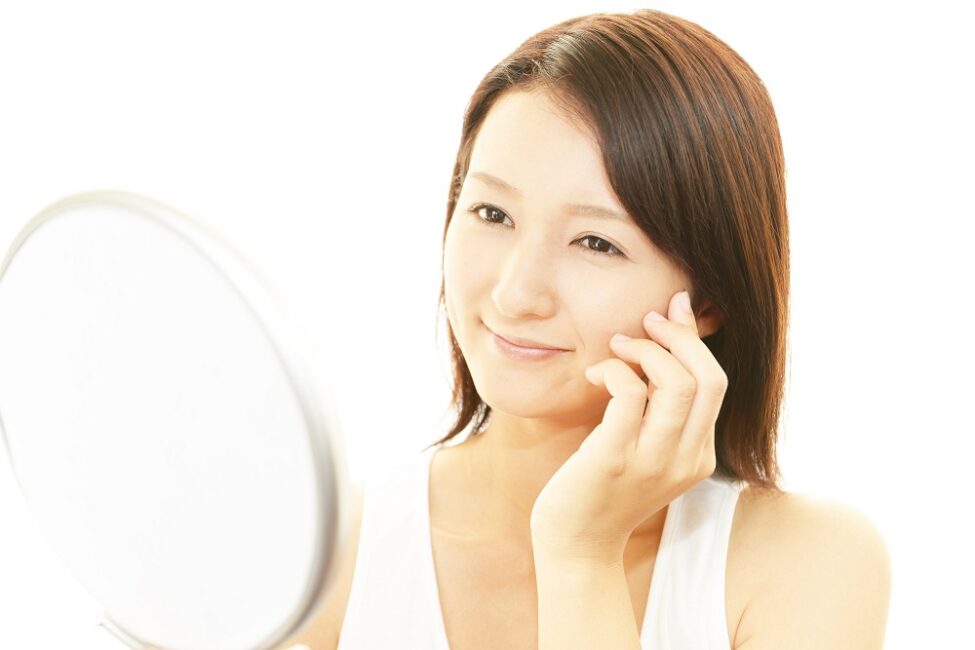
709,319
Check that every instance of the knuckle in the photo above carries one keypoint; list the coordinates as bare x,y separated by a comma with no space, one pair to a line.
686,390
718,387
721,379
634,387
617,467
635,391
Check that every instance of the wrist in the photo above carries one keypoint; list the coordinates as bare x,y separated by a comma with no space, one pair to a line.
576,555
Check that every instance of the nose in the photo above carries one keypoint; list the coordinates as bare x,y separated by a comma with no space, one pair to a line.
526,281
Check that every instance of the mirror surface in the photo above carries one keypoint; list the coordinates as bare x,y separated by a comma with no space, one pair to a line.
164,427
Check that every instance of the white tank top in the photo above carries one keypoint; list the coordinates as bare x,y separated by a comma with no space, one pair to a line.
394,601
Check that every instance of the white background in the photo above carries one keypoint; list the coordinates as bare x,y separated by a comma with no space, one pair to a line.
320,140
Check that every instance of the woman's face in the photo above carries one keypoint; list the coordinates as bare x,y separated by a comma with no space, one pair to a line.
521,260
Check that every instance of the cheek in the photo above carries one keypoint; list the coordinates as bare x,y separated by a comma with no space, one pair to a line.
603,313
461,271
452,254
465,264
610,307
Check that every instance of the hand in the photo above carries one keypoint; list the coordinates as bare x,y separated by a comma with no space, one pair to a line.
634,464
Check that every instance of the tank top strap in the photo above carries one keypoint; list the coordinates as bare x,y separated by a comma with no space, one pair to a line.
687,597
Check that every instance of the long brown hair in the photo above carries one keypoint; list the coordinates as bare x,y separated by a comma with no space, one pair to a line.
691,146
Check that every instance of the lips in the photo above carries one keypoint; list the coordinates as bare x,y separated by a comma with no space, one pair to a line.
525,343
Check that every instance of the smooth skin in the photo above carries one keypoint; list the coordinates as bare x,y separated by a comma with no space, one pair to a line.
825,579
633,464
817,571
570,461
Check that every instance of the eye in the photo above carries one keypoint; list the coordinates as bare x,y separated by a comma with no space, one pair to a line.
477,209
489,209
601,252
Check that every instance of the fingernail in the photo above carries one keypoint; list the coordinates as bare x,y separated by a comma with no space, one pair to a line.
619,337
685,301
655,316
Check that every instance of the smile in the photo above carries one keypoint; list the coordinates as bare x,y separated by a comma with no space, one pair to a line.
520,352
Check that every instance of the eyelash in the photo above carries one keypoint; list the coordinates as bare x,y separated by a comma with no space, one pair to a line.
479,206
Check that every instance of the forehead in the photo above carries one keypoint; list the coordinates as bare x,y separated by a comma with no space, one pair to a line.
528,140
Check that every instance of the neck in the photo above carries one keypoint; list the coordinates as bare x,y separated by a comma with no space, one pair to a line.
512,460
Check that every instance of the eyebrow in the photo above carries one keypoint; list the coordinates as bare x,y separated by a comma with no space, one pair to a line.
576,208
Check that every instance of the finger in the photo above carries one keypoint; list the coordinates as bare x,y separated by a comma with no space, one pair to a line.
667,411
707,462
680,335
697,439
680,410
680,310
616,433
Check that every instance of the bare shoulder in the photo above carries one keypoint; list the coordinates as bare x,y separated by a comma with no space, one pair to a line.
815,573
322,632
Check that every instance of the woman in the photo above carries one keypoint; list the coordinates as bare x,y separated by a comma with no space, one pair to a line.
617,173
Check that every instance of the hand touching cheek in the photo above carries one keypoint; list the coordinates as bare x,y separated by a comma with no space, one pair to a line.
655,441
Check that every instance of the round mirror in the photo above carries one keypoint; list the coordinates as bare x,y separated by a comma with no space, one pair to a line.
164,426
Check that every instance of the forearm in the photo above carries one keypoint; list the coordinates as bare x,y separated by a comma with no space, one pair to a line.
583,605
